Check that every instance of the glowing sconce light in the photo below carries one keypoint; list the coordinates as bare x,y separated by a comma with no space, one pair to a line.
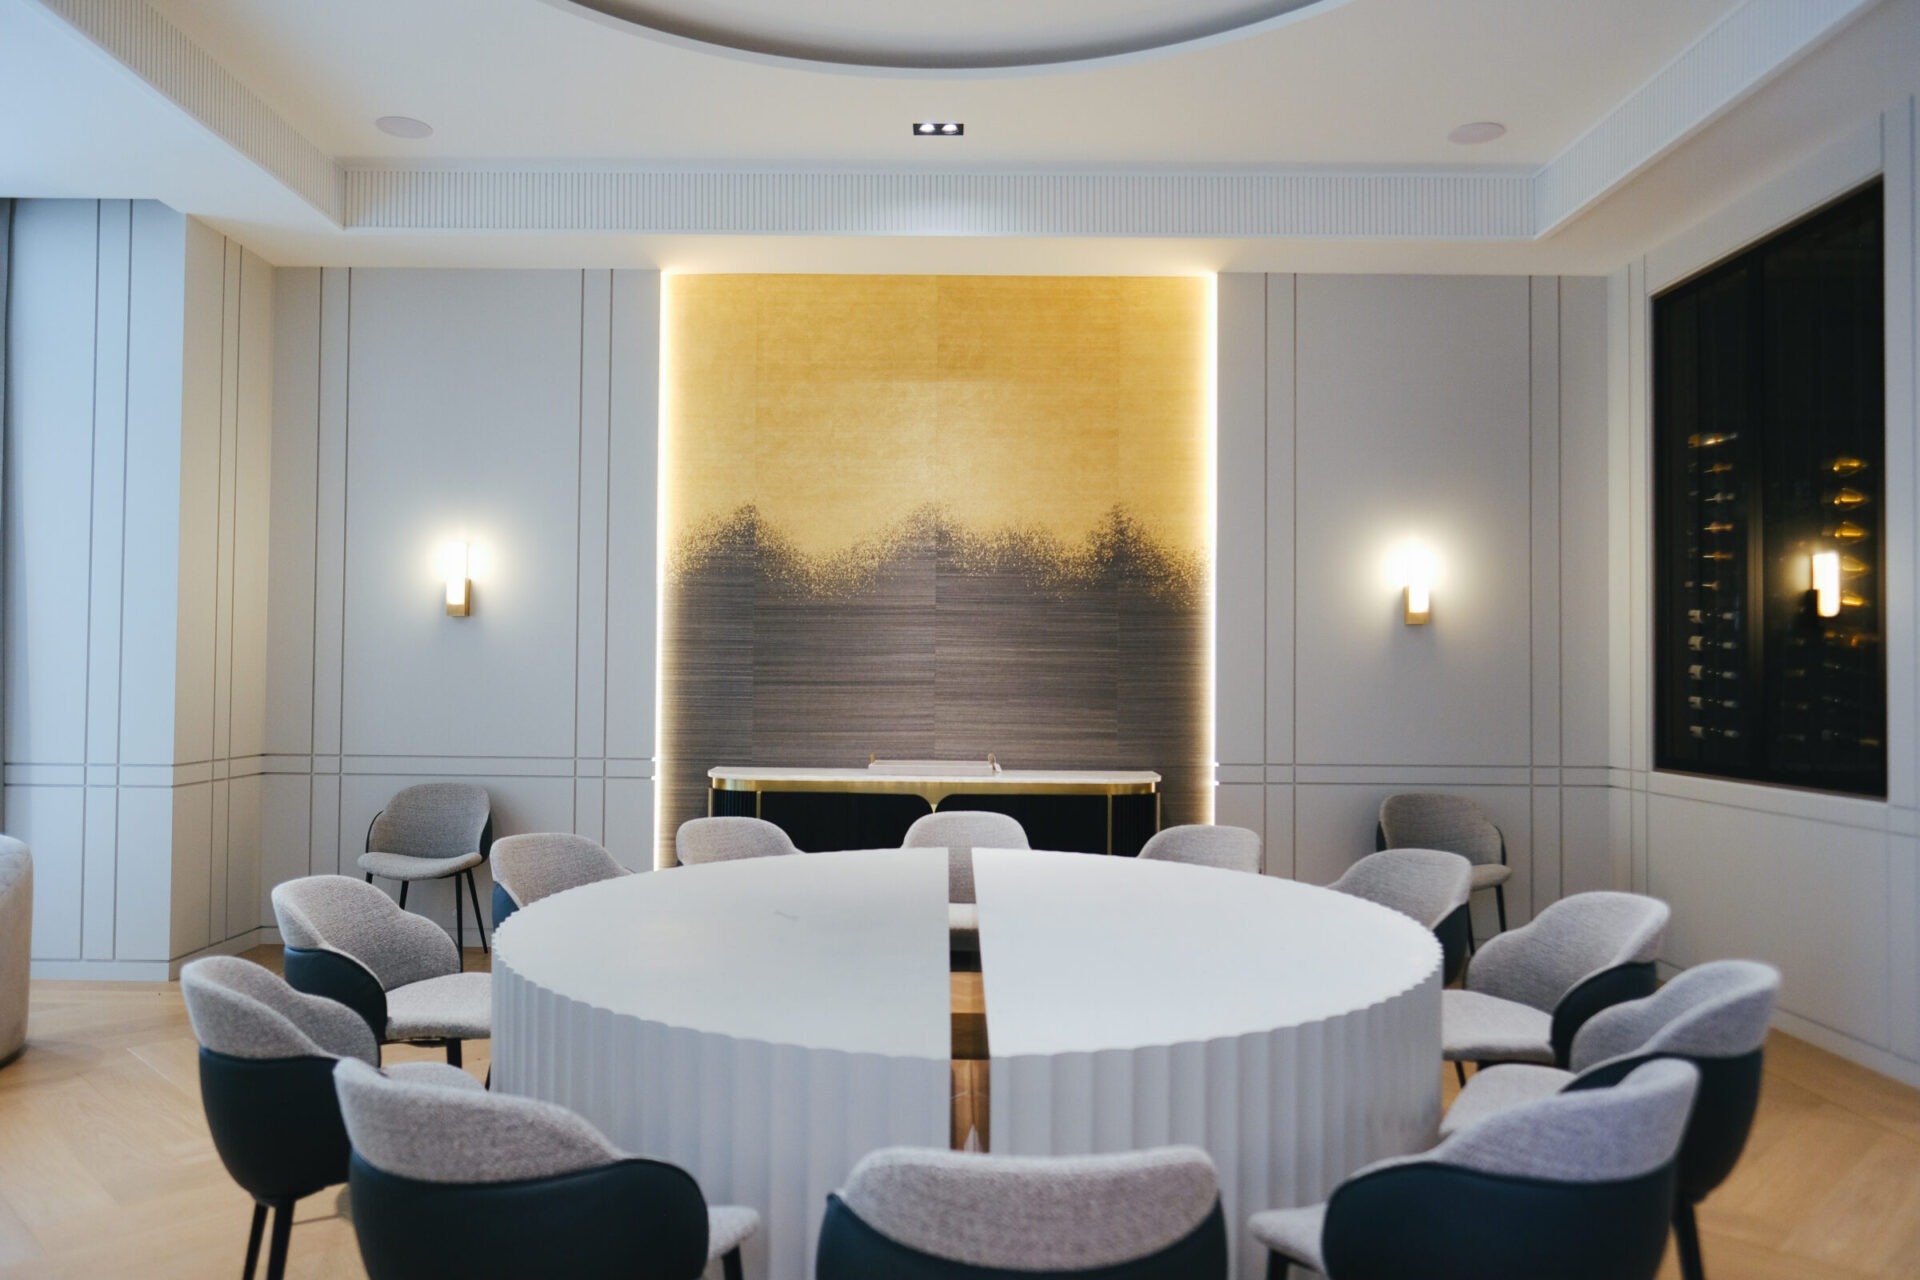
1418,568
1826,583
459,589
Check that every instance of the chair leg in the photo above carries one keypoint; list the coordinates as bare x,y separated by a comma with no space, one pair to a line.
369,877
1500,901
403,894
1460,1072
730,1264
479,922
1277,1267
253,1239
1686,1234
282,1235
453,1053
459,923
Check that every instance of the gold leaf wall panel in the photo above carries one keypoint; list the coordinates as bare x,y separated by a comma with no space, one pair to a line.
936,515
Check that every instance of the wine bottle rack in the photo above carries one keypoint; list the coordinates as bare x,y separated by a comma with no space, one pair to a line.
1769,431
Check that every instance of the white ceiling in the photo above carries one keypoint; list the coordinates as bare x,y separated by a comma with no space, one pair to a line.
1368,86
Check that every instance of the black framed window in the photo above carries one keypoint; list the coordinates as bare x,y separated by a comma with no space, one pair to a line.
1769,426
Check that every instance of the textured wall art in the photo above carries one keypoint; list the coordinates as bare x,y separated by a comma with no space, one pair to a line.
929,516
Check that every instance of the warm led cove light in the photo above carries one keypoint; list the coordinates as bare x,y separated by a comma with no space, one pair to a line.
938,129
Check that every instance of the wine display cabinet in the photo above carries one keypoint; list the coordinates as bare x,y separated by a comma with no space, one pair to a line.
1769,442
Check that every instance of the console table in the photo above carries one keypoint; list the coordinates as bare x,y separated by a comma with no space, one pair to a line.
1083,811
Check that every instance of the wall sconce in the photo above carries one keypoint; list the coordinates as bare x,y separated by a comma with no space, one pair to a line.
1419,586
1826,583
459,589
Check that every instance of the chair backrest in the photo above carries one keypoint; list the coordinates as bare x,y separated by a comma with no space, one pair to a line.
966,829
351,917
241,1010
1043,1215
1716,1010
1231,848
1573,939
16,943
532,867
1593,1135
1428,820
701,840
439,1133
1427,884
433,820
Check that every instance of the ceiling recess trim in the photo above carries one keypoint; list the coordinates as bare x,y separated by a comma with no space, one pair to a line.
1295,205
660,21
143,41
1730,60
1752,44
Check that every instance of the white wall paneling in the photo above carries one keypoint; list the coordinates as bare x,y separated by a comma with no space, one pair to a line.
1437,409
1824,886
139,430
515,411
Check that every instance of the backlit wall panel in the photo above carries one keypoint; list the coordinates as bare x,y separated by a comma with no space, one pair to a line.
935,517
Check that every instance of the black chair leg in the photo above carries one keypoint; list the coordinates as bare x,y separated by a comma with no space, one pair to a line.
1277,1267
369,877
403,894
453,1053
253,1239
479,922
1500,901
459,924
1686,1234
282,1235
731,1264
1460,1072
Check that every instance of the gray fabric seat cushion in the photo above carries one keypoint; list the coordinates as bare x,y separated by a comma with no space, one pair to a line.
1488,874
404,866
1047,1214
458,1006
443,1074
1294,1234
1498,1088
703,840
966,829
727,1226
1482,1028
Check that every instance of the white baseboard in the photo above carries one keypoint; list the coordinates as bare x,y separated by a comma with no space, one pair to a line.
1868,1056
99,971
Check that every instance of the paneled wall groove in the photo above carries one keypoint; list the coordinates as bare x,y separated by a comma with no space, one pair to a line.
1459,444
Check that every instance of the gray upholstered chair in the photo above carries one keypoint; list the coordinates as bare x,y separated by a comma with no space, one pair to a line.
931,1215
1715,1016
1426,820
434,831
1429,885
531,867
1528,993
529,1189
1577,1186
966,829
350,942
1231,848
16,944
267,1054
702,840
960,832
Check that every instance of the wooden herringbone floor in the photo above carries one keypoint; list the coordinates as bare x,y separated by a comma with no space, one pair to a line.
106,1167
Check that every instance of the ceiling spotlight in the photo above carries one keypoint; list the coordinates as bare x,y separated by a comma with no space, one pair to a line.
403,127
938,129
923,128
1472,135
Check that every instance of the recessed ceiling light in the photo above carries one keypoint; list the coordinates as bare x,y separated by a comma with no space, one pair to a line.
938,129
403,127
1471,135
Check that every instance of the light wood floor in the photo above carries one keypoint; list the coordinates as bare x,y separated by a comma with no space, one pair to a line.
106,1167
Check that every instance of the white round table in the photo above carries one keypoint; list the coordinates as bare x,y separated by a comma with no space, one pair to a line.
765,1023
